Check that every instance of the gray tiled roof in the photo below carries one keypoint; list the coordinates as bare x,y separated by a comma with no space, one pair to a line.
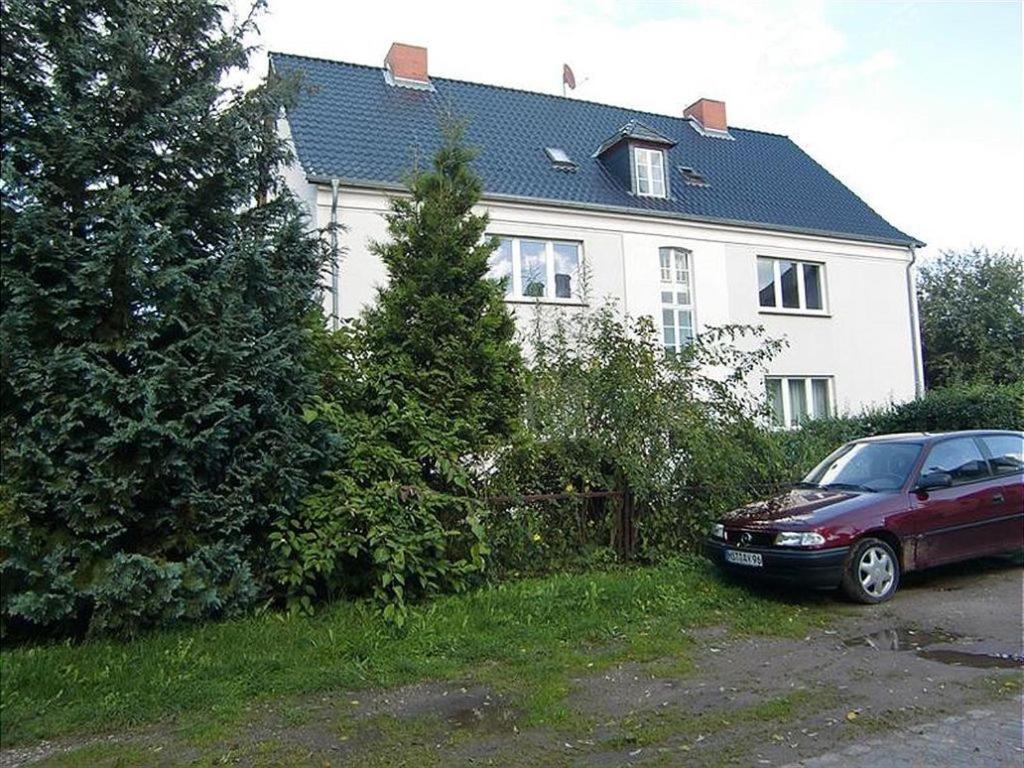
350,124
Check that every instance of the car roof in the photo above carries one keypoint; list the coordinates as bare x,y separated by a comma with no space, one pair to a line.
931,437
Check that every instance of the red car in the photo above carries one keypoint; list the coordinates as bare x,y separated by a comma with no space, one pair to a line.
879,507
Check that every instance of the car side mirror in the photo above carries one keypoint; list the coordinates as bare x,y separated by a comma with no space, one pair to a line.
931,480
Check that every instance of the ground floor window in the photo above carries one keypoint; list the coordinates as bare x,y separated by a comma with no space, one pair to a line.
537,269
796,399
676,299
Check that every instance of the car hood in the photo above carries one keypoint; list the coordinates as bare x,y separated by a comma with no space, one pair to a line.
805,506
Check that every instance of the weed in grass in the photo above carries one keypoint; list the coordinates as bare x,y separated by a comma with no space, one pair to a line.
294,716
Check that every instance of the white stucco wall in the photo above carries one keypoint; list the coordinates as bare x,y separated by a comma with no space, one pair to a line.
864,341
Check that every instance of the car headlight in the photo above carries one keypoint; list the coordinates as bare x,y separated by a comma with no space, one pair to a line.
718,531
797,539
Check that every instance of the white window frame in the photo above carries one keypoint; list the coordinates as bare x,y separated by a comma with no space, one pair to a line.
678,277
515,290
802,309
643,158
787,406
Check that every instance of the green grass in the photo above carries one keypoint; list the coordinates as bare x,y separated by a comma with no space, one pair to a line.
526,637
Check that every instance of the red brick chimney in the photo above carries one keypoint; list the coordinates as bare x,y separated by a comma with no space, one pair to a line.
709,113
407,62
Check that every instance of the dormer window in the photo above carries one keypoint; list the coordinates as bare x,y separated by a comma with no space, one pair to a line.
649,170
637,156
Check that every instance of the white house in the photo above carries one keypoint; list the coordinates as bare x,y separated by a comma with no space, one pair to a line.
684,218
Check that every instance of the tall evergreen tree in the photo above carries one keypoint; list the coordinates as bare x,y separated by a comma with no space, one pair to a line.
157,282
440,332
429,389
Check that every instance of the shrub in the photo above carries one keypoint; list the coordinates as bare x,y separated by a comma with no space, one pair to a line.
570,532
156,280
803,448
978,406
606,409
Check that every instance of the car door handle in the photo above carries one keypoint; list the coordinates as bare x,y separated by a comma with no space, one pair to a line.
998,499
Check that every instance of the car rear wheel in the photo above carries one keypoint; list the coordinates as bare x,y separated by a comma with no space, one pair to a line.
872,572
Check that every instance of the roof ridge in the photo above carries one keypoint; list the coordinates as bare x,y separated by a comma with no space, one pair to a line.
526,91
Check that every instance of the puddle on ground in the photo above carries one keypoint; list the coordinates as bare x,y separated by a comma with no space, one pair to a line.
486,719
919,641
978,660
903,639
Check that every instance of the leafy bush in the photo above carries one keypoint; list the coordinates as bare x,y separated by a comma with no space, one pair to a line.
374,526
567,533
156,281
606,409
976,406
419,393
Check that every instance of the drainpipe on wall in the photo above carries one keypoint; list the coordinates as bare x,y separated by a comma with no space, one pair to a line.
335,298
915,327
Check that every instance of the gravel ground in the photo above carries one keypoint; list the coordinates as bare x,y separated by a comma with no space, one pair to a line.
982,738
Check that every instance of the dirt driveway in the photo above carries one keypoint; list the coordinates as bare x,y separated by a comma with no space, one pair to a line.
931,678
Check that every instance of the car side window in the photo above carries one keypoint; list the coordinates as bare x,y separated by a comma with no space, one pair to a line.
960,457
1007,452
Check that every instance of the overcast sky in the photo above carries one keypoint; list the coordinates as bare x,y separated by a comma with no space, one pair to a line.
915,106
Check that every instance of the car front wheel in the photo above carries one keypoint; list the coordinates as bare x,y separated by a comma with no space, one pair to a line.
872,572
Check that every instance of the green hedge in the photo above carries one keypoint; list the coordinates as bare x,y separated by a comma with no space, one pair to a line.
940,410
970,407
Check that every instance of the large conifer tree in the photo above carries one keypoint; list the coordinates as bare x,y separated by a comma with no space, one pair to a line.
440,331
429,392
156,282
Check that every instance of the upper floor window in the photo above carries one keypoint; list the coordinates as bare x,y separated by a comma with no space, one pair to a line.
796,399
649,169
537,269
676,299
789,284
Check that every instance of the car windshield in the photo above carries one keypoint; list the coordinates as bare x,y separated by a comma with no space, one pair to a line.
866,467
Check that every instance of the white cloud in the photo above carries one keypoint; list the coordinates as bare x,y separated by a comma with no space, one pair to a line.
782,67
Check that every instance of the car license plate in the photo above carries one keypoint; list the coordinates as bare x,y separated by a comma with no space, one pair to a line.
752,559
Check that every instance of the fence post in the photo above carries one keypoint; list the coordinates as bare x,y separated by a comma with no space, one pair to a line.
624,528
629,524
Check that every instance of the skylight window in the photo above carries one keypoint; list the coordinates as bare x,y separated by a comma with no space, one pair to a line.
560,158
692,177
